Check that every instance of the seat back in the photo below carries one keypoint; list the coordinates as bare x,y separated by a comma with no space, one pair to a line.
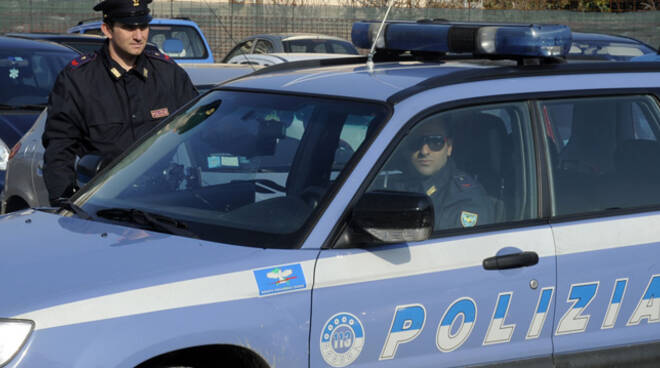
591,146
482,148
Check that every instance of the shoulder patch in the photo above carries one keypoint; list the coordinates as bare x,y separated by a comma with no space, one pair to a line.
158,55
81,60
469,219
465,182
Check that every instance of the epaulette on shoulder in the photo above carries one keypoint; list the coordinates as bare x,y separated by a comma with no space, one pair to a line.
465,181
81,60
158,55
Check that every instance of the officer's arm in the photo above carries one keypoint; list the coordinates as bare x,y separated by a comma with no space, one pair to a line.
62,139
185,89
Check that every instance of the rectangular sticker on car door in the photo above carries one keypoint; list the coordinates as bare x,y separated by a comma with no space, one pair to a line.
280,279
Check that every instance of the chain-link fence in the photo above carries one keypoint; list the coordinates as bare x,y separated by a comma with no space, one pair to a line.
226,23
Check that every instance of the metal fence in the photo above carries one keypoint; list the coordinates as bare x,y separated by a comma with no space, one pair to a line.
226,23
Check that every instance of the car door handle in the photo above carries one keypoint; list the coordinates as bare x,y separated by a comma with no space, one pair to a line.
516,260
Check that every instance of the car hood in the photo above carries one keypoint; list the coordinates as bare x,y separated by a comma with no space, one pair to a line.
49,260
14,123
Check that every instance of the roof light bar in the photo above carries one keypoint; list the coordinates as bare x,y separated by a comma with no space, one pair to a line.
496,40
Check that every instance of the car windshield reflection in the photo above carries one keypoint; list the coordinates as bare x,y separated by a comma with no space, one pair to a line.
239,167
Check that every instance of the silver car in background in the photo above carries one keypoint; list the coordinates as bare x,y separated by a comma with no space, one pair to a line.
282,57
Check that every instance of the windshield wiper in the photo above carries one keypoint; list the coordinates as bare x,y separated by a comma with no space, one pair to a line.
70,206
23,107
147,220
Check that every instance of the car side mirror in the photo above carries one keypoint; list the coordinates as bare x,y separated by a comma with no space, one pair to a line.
172,46
87,167
387,217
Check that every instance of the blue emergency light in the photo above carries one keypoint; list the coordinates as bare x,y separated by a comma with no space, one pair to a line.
493,40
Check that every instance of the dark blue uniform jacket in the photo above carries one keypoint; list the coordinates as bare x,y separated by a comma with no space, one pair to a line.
458,199
98,107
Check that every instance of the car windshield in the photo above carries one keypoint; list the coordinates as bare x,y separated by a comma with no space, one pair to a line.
240,167
193,46
26,77
606,50
319,46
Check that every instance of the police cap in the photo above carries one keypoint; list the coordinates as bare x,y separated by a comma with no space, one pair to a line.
131,12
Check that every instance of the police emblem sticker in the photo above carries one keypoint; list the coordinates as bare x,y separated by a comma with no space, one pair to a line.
342,339
468,219
280,279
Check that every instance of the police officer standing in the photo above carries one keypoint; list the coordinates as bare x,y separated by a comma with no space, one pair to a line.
103,102
458,199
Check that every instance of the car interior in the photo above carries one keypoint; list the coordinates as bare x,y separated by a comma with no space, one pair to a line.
602,146
489,144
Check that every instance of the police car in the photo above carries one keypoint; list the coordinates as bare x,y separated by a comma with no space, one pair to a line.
260,226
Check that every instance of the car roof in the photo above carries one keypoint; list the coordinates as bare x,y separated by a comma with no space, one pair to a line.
29,44
395,80
285,36
56,36
175,21
351,80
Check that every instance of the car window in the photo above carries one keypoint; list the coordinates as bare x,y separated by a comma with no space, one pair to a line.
342,48
263,47
608,50
475,164
84,47
318,46
244,168
93,31
604,152
193,45
27,77
240,49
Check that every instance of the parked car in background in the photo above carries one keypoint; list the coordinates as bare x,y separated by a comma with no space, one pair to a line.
597,46
291,42
647,57
282,57
191,44
24,186
206,76
83,43
28,70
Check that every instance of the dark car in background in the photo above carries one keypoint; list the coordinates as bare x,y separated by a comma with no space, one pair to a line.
83,43
291,42
598,46
28,70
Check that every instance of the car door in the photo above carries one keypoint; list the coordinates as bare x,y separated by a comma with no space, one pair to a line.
606,175
450,300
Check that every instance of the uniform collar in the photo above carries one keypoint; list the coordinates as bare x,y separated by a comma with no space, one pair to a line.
115,70
439,181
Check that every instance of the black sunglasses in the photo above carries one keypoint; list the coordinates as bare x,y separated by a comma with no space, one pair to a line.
434,142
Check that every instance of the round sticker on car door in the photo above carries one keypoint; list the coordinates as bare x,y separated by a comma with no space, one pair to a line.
342,339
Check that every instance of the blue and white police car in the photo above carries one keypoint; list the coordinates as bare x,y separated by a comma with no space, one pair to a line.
265,224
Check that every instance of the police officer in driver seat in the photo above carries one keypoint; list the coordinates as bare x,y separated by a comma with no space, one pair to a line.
458,199
103,102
